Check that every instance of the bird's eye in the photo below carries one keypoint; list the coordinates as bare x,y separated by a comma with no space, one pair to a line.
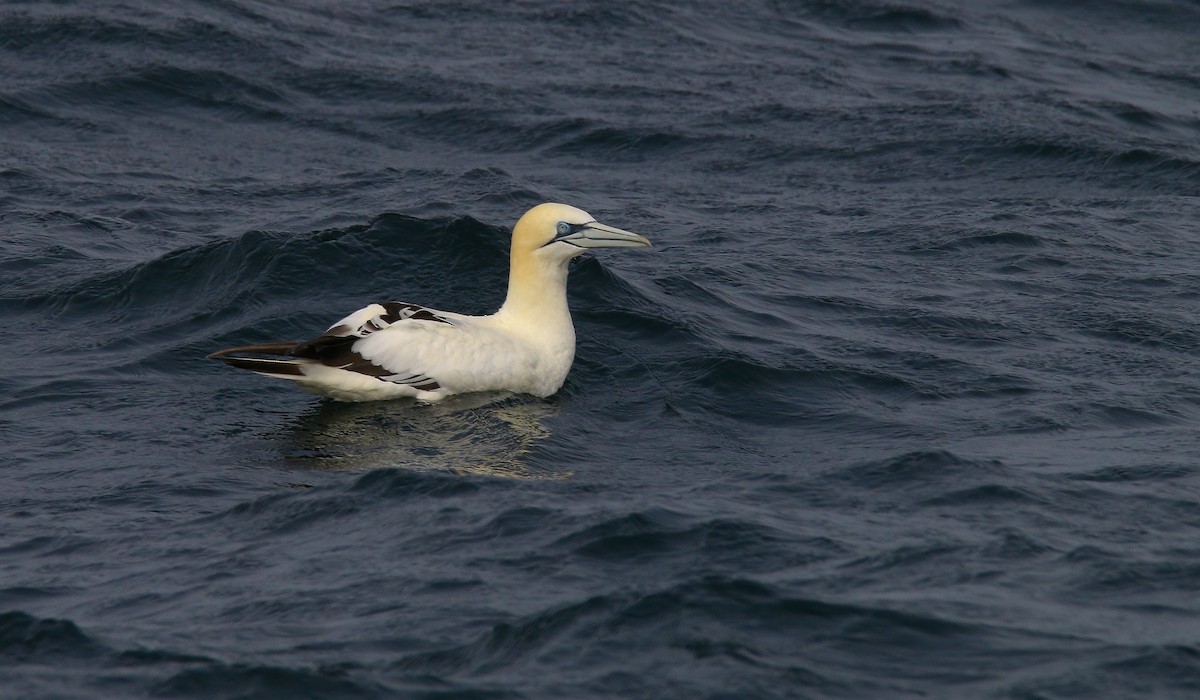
563,228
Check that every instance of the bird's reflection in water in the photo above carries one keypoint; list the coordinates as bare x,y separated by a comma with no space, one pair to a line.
473,433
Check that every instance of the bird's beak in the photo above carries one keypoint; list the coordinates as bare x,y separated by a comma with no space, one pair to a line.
597,235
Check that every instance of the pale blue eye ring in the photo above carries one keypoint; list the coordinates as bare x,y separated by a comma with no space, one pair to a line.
563,228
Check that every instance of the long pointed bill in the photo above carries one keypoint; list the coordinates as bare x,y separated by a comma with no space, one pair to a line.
597,235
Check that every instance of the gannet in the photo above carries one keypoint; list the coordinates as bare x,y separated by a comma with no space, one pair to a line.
396,349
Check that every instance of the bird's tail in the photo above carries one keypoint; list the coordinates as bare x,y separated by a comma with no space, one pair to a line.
272,367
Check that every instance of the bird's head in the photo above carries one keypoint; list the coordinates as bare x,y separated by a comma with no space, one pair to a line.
561,232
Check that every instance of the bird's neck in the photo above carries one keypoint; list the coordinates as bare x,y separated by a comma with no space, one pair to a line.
537,295
537,289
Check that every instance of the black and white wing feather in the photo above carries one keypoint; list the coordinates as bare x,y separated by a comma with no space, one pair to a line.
340,347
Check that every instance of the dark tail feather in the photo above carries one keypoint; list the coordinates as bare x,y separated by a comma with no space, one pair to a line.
285,348
278,368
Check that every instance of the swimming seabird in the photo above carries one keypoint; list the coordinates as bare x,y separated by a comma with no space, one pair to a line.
395,349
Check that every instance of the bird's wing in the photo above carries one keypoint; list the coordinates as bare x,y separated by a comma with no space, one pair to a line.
377,317
409,344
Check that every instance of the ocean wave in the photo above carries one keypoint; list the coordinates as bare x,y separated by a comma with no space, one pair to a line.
236,681
390,484
918,470
167,87
649,538
206,282
721,625
885,17
41,642
1137,472
65,30
25,639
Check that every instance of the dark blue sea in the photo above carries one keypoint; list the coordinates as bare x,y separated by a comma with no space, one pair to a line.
904,402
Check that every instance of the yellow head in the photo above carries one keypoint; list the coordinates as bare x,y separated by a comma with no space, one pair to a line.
544,241
561,231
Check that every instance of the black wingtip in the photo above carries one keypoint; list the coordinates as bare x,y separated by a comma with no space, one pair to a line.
283,368
285,348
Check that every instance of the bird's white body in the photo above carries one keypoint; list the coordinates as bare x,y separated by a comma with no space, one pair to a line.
394,349
462,354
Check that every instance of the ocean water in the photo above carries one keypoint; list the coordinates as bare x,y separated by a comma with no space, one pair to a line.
904,402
